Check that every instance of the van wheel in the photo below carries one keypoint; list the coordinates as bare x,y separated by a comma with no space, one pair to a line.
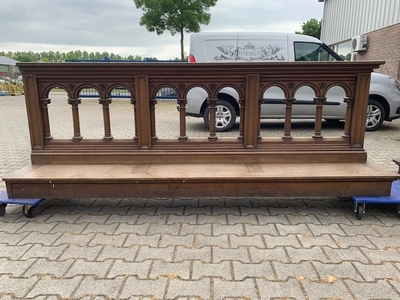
375,115
225,116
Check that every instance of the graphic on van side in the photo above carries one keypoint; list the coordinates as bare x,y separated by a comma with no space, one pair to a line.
227,53
250,52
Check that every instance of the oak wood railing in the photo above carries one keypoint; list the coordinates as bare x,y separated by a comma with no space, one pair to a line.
144,80
145,165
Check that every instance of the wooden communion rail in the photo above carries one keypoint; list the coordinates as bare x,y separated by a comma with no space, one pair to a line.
148,166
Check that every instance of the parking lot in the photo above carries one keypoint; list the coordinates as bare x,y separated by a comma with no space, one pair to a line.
193,248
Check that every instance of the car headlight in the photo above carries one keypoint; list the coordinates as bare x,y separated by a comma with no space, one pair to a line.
395,82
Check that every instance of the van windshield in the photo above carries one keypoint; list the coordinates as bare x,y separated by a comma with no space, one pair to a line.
305,51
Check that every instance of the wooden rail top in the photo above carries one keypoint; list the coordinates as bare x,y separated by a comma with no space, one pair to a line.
144,80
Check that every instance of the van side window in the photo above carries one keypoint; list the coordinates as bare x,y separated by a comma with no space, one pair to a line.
304,51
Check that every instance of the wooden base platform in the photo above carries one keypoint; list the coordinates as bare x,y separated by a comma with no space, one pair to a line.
200,180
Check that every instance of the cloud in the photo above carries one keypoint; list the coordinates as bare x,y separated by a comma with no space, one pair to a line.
113,26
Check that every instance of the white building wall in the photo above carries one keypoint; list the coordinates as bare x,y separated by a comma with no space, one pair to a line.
344,19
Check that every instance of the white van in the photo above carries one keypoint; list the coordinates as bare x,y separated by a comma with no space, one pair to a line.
384,99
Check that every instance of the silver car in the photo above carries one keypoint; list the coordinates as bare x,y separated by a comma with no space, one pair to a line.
384,93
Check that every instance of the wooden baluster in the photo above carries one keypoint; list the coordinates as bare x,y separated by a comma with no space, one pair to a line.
241,124
318,117
133,102
213,111
287,135
260,102
75,118
349,111
153,103
182,119
46,122
106,118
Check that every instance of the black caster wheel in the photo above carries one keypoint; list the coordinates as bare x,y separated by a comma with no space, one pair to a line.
28,211
360,210
2,209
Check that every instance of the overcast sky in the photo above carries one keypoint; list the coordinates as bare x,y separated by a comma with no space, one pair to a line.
113,25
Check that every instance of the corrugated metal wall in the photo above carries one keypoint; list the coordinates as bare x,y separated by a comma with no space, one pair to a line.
344,19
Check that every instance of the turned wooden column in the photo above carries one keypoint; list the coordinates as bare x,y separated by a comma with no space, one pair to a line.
75,118
106,119
241,124
153,103
46,122
319,101
287,135
212,126
133,102
182,119
349,111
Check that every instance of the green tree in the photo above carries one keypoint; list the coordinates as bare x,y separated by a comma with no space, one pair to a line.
176,16
70,55
24,56
85,55
312,28
58,56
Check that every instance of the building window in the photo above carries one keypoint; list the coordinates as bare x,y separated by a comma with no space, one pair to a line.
344,50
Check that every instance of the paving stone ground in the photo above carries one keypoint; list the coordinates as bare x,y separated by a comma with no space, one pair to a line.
194,248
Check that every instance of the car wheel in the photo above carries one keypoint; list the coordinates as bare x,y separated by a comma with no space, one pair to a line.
225,116
375,115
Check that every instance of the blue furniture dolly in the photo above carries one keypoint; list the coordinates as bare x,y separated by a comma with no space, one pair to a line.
394,198
28,208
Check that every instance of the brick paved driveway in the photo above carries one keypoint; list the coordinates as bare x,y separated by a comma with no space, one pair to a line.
196,248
